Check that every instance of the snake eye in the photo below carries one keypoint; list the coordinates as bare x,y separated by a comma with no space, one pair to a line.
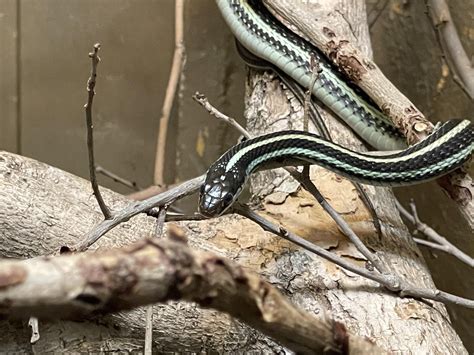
228,199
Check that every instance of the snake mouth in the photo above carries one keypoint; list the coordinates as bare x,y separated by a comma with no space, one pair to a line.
210,206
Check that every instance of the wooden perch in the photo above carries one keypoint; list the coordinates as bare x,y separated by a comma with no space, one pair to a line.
149,271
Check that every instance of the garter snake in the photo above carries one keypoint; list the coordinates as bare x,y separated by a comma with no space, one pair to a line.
300,94
445,149
256,29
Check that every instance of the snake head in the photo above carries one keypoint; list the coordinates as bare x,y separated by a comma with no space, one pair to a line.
220,190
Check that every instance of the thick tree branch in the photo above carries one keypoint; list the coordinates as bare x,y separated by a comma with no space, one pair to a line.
331,33
76,286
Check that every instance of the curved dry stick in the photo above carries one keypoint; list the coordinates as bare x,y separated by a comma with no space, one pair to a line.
176,68
95,59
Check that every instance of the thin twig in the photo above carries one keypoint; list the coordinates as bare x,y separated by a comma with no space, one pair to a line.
131,184
440,242
204,102
441,18
175,73
160,221
390,282
315,70
165,198
90,138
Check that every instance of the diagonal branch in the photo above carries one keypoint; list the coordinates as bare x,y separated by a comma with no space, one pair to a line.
391,282
165,198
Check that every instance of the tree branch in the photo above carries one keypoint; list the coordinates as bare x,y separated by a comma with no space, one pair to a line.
440,242
391,282
77,286
443,23
165,198
176,69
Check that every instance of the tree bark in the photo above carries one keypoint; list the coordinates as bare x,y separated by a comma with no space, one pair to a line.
43,208
158,271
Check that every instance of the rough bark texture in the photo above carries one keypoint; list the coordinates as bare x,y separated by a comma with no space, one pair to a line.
157,271
42,208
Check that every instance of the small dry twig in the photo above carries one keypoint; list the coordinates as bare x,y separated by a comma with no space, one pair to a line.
130,184
160,221
175,73
90,128
315,70
90,138
437,241
204,102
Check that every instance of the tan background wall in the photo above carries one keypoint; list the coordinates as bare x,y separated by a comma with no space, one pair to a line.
44,68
